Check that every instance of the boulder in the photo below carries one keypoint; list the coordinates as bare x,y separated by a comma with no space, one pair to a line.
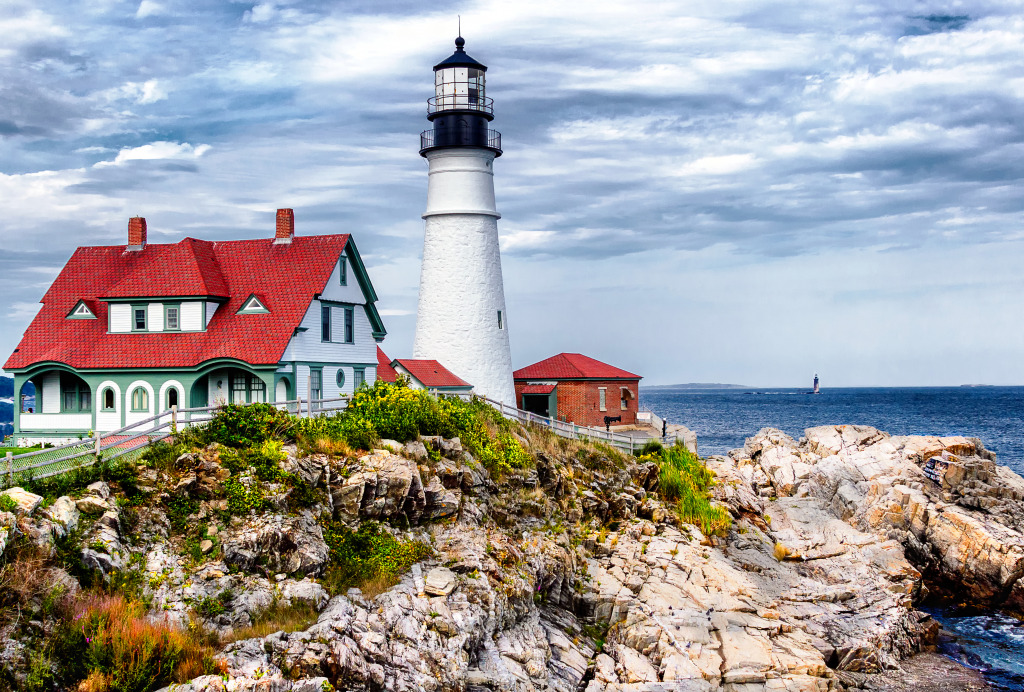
276,543
26,502
439,581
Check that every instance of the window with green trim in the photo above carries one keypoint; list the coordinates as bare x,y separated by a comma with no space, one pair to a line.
349,325
108,400
358,377
76,396
315,384
239,388
325,323
140,399
172,318
139,318
340,378
343,270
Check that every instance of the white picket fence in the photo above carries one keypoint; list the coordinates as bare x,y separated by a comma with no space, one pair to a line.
131,441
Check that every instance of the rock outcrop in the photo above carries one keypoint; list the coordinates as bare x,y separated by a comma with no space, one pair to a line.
574,575
956,513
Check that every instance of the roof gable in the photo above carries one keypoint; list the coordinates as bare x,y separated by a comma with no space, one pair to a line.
430,373
573,366
81,311
253,305
384,370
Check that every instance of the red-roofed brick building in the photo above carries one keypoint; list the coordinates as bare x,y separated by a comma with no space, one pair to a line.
127,331
579,389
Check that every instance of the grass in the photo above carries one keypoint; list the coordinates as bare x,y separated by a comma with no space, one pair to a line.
110,642
684,481
277,618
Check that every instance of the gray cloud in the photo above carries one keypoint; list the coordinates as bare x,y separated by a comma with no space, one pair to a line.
749,138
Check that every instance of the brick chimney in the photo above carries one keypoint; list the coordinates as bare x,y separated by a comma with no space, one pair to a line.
285,227
136,233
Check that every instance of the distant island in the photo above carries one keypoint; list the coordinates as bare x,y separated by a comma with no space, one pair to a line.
696,385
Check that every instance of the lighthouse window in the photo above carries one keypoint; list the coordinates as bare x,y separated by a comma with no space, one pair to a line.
501,322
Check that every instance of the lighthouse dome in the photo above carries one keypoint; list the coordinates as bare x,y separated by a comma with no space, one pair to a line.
460,85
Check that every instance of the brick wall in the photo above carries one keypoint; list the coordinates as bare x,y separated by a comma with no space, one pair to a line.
579,400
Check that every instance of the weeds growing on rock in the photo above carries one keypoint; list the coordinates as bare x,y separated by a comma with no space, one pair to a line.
684,481
370,558
278,617
110,641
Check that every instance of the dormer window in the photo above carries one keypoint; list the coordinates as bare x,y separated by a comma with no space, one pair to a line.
253,306
81,311
172,318
139,318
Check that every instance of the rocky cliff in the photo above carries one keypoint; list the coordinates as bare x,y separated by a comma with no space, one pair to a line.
573,574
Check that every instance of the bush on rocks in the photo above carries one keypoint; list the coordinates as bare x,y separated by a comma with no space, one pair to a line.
369,556
685,481
240,426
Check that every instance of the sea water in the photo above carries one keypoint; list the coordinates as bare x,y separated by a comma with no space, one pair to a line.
723,418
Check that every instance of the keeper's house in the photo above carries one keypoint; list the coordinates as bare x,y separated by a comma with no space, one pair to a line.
128,331
576,388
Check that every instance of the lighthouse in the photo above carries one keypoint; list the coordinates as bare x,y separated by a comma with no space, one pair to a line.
461,320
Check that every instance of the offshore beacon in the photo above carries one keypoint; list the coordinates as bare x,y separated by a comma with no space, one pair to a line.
461,319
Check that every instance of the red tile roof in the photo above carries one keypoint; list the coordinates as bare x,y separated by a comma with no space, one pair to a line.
572,366
431,373
288,274
384,370
539,388
187,268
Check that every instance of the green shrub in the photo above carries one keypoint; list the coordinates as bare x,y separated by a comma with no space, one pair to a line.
264,460
652,447
504,453
162,454
243,499
240,426
684,481
212,606
179,509
7,503
79,478
371,553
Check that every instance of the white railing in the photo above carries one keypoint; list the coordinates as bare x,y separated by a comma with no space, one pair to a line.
133,439
626,443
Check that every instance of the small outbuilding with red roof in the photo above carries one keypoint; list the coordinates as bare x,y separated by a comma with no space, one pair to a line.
422,374
579,389
128,331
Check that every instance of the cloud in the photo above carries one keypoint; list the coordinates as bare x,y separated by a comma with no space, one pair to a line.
757,139
148,8
157,151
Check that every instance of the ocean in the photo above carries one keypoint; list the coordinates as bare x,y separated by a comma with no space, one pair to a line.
724,418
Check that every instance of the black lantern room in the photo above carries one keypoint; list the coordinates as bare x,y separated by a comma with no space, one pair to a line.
460,110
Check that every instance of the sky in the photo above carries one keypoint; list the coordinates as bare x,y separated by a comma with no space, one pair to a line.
727,191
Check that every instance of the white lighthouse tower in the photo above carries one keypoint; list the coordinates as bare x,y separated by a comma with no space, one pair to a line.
461,319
